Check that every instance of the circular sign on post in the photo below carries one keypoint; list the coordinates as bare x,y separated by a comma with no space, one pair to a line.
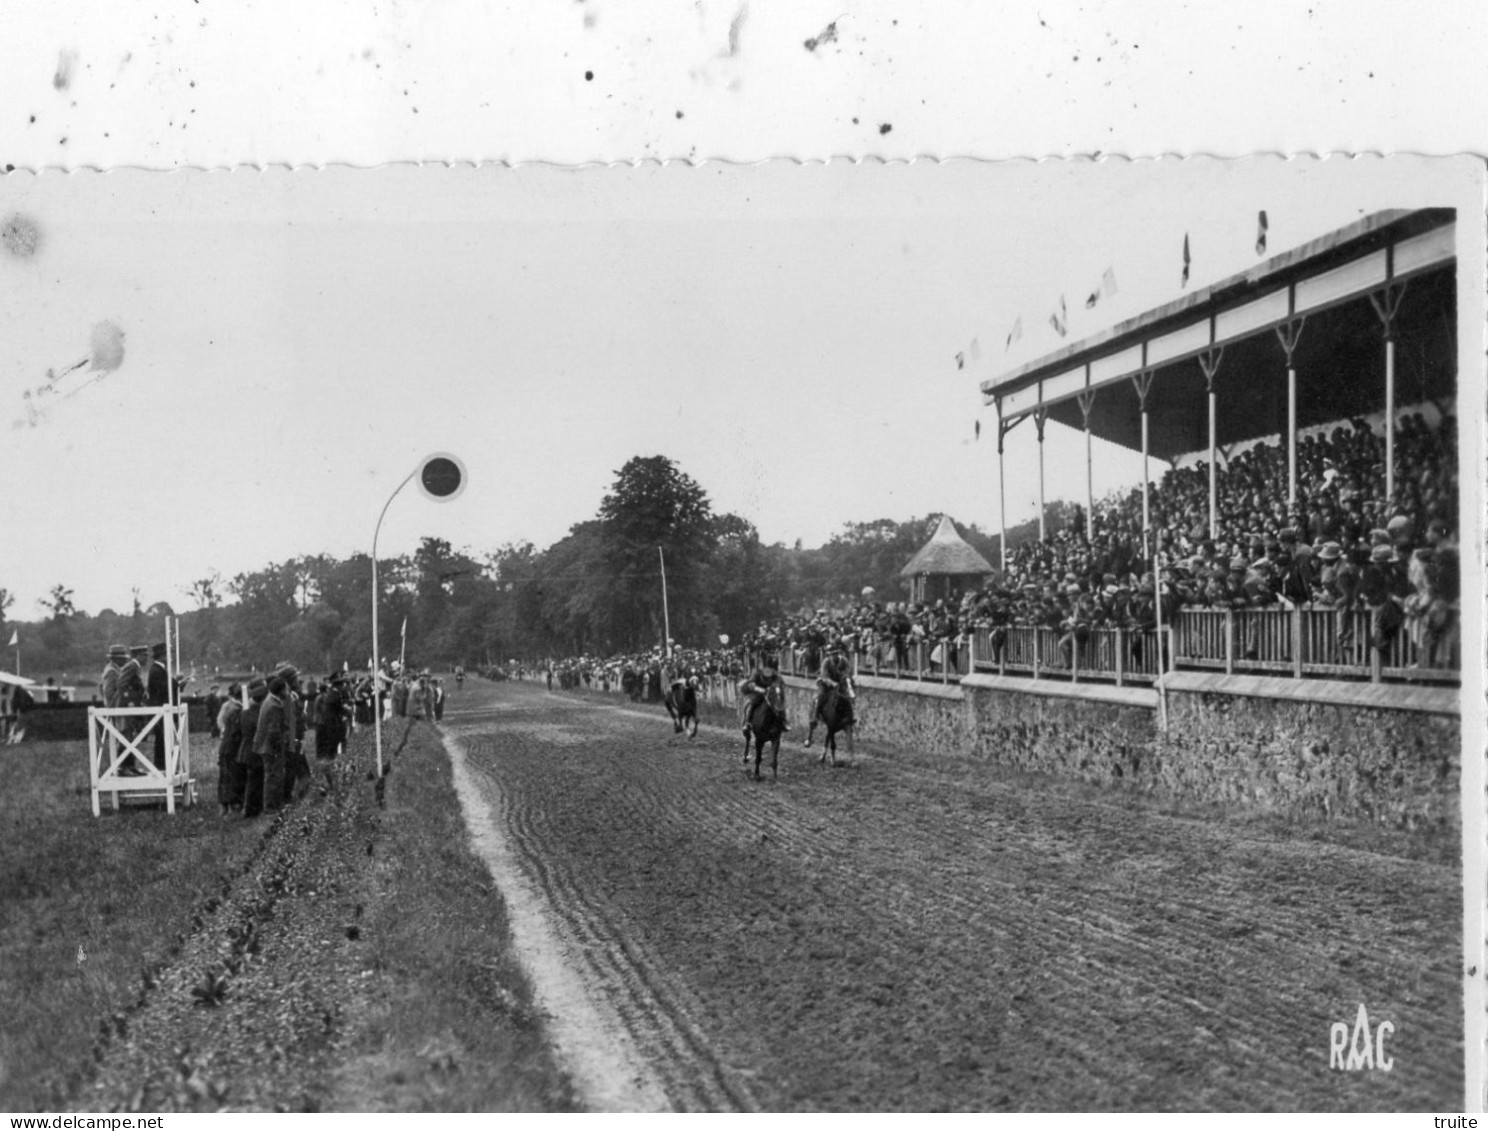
442,477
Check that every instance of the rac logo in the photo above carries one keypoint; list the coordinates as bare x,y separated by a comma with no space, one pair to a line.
1364,1049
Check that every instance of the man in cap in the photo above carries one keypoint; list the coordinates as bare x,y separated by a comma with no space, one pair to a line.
108,683
232,774
836,673
270,744
158,694
1383,586
764,686
296,767
330,729
132,688
248,755
213,703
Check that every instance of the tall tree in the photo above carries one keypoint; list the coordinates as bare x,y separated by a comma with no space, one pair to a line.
654,506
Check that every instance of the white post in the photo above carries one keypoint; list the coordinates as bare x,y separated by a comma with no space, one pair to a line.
1213,469
666,616
1001,501
1146,486
1040,417
1089,487
1209,362
1386,304
376,664
1390,417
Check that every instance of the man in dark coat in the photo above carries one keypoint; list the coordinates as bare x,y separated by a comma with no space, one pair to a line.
269,743
296,767
158,694
213,705
231,774
330,728
248,756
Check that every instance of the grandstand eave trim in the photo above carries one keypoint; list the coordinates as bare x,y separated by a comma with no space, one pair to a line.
1251,302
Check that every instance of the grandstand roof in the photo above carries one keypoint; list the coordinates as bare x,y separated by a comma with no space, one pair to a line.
1339,358
946,553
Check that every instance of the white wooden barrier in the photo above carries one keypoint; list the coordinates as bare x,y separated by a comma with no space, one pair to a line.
111,752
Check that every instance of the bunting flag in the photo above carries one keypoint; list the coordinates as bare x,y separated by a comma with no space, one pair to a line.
1015,334
1261,226
978,429
1186,259
1060,321
976,350
960,361
15,638
1108,282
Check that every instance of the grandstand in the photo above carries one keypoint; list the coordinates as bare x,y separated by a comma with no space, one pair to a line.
1307,524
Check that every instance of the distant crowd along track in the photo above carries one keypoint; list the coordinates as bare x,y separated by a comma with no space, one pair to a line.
907,932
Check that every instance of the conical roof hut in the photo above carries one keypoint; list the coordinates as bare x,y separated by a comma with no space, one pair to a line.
945,566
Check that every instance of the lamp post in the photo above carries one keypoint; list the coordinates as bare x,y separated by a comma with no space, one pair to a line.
441,477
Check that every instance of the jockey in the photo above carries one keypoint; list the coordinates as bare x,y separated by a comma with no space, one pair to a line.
836,672
756,690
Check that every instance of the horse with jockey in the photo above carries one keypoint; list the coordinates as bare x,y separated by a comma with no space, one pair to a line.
835,675
763,686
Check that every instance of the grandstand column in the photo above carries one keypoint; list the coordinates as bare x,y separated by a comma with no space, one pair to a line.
1386,304
1288,334
1003,428
1087,402
1143,384
1040,418
1209,361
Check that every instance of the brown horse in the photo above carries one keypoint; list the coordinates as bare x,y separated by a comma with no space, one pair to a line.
681,704
766,723
836,714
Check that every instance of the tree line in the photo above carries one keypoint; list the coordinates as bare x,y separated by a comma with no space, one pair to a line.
597,590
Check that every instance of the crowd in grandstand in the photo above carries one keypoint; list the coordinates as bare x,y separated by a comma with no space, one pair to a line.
1344,546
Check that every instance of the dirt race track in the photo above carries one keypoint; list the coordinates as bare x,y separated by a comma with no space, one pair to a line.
901,933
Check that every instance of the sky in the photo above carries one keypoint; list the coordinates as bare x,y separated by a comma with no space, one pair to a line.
296,341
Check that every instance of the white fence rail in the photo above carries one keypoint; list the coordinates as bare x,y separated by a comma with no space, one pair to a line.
1301,642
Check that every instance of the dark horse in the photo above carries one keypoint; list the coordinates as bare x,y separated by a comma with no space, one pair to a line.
836,714
681,704
765,723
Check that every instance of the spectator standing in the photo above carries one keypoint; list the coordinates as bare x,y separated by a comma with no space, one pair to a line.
231,773
248,755
158,694
269,743
213,703
330,729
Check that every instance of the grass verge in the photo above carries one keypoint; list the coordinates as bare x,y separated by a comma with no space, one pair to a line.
92,907
451,1025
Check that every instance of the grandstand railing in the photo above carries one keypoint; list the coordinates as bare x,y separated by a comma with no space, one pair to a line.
1298,642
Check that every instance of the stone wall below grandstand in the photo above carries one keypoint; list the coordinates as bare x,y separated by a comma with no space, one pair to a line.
1307,748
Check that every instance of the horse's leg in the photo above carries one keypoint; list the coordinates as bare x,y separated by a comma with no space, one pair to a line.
775,759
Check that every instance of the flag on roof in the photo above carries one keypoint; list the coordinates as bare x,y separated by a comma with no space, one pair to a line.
1060,321
1261,226
1015,334
1186,259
